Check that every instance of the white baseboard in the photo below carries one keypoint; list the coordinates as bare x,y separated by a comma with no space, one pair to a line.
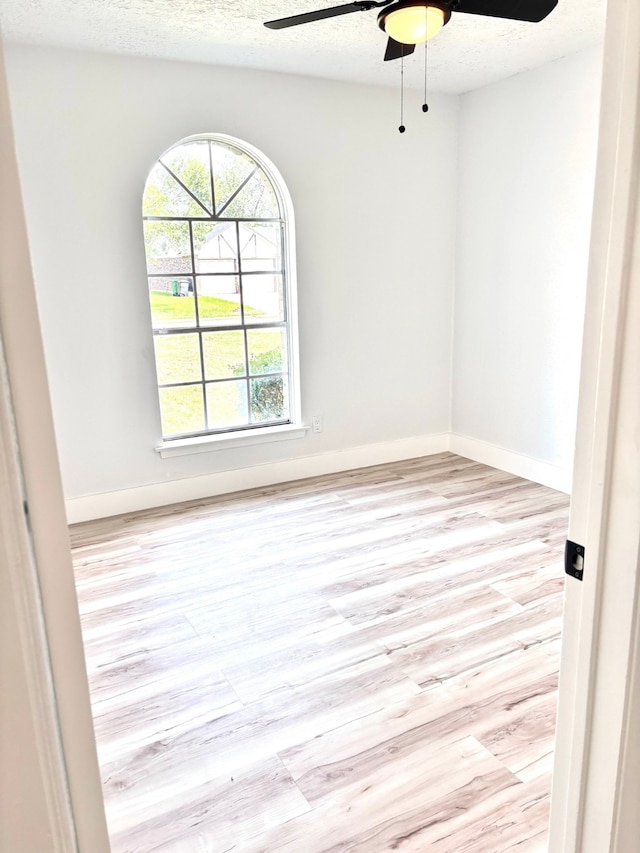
90,507
513,463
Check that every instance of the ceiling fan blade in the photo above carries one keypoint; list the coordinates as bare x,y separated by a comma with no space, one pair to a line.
396,50
516,10
320,14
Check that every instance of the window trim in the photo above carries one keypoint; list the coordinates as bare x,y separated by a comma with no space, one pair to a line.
229,440
251,433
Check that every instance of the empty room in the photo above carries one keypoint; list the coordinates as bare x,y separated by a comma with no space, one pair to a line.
311,303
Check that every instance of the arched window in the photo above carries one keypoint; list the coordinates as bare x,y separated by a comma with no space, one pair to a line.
218,246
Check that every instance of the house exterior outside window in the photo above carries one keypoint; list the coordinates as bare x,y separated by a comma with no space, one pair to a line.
218,237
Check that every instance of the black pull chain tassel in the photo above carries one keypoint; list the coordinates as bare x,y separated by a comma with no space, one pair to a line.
425,105
402,128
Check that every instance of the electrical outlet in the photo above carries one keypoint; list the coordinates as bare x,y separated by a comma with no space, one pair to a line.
316,423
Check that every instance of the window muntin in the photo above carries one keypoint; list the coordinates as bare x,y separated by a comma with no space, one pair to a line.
215,240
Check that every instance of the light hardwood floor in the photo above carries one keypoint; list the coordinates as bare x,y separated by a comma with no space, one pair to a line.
362,662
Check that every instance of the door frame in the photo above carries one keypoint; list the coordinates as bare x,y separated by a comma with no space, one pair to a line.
40,585
29,708
599,666
599,645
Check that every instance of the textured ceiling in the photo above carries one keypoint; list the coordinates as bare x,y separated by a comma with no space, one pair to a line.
470,52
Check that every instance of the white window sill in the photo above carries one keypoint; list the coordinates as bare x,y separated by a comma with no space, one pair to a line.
208,443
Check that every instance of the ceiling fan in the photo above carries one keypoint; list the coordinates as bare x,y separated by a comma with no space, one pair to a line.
411,22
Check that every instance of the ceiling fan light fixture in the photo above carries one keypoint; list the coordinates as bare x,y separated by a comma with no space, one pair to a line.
413,22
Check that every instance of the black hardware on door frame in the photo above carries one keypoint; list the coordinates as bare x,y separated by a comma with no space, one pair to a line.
574,559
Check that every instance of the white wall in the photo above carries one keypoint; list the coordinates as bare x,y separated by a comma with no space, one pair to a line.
527,169
375,217
494,187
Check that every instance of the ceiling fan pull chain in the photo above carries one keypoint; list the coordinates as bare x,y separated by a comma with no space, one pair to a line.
425,105
402,128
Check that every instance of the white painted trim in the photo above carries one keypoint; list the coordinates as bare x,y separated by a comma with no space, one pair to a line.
54,590
514,463
160,494
600,614
89,507
20,584
627,817
289,255
243,438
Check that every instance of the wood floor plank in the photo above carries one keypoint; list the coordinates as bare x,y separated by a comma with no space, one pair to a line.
365,661
383,810
162,709
223,744
523,741
122,673
106,642
468,706
216,815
